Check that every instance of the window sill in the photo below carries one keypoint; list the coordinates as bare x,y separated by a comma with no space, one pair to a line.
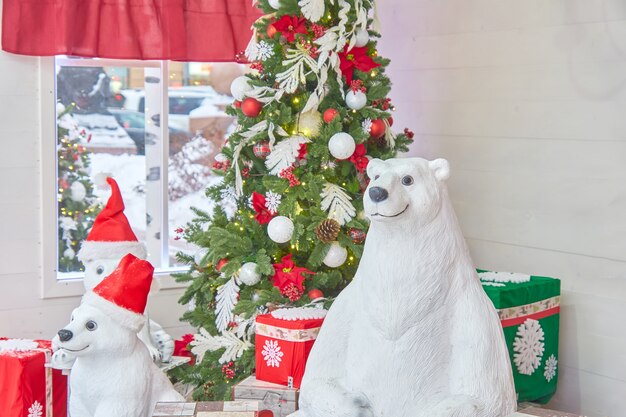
71,285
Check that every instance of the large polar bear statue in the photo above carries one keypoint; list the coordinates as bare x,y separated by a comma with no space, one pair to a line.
114,375
414,334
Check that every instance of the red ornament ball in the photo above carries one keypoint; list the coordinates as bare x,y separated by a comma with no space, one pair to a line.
357,235
251,107
377,129
237,104
222,262
261,149
314,294
271,30
390,121
330,114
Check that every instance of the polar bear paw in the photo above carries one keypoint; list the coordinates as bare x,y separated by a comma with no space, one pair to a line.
162,340
62,359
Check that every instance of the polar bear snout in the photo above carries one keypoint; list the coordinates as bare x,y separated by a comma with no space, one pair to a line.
65,335
378,194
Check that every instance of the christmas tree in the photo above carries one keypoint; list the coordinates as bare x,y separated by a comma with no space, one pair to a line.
288,226
77,207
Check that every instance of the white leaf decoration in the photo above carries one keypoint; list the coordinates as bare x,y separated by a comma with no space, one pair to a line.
204,342
284,154
313,10
338,204
299,64
226,300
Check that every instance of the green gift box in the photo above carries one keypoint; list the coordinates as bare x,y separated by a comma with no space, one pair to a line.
529,309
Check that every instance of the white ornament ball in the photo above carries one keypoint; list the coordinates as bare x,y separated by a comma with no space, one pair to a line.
239,87
60,108
309,123
78,192
69,253
275,4
256,296
356,100
362,38
220,157
280,229
336,255
341,145
248,274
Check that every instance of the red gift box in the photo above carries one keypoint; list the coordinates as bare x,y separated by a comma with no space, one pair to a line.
283,346
28,388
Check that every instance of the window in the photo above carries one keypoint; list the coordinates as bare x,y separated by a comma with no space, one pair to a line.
111,116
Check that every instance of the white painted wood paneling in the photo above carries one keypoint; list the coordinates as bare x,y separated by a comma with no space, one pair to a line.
527,100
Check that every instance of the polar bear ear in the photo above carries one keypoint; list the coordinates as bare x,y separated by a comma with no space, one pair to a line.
441,168
372,165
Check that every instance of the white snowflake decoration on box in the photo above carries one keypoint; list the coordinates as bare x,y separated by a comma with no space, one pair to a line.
367,125
549,371
528,347
35,410
264,51
272,353
272,201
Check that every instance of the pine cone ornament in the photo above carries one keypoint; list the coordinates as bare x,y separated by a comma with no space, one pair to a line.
328,230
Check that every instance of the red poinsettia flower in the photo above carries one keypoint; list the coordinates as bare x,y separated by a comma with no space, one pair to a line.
263,215
289,26
181,347
358,58
359,159
286,273
302,151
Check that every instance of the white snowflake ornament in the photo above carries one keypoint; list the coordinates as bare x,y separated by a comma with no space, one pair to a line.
272,353
367,125
264,51
528,347
549,371
272,201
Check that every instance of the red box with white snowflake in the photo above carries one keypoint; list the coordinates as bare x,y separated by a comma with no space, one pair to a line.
283,342
28,388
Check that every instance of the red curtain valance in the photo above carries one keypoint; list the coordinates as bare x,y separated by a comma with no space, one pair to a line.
182,30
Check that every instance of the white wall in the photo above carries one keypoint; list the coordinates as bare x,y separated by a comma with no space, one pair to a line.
527,99
22,311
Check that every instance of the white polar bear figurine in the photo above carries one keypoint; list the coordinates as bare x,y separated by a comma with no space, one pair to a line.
110,238
114,375
414,334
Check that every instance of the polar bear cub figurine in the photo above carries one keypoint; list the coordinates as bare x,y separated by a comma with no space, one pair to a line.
114,375
414,334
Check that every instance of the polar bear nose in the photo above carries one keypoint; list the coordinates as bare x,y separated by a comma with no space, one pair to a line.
65,335
378,194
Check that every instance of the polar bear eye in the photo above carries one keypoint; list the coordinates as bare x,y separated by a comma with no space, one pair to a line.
377,177
100,270
91,325
407,180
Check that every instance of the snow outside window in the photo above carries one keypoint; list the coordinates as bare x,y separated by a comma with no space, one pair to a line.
110,121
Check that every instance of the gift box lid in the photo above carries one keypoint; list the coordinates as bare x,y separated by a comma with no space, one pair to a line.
252,388
297,319
521,289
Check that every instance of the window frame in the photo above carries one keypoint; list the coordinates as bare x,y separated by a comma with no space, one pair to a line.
51,286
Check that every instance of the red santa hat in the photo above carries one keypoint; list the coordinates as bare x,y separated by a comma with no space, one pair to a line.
111,236
123,294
